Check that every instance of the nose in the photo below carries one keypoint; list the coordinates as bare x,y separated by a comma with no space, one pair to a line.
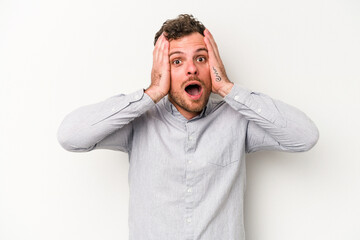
191,69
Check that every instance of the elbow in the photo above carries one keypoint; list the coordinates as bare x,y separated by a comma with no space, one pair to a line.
70,141
73,132
65,140
302,140
310,140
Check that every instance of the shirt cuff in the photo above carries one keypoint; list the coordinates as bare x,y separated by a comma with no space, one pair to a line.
238,94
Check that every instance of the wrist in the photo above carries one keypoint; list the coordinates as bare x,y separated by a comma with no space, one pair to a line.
154,94
225,89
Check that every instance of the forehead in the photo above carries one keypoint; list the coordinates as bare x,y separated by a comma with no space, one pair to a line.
188,43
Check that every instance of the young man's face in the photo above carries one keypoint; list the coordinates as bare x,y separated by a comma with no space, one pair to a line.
190,76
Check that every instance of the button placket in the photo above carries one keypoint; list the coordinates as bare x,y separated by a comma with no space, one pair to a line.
189,188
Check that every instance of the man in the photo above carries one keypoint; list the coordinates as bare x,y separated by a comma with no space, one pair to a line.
187,148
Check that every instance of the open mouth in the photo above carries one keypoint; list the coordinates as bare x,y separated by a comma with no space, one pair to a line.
194,90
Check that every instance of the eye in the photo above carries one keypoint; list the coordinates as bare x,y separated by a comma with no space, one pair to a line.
201,59
176,62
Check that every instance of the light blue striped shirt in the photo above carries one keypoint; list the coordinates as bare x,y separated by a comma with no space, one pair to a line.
187,177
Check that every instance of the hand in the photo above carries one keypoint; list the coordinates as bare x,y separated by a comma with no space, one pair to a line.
160,73
220,83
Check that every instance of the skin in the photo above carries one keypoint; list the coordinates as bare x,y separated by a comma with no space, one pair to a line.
188,63
190,59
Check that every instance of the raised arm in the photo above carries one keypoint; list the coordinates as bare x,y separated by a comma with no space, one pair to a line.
103,125
273,125
107,125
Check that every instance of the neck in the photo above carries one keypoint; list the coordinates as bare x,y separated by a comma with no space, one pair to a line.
187,114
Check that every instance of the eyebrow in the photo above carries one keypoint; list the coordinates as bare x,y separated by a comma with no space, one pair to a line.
201,49
197,50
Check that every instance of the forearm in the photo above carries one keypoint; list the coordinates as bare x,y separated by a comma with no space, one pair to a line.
288,126
83,128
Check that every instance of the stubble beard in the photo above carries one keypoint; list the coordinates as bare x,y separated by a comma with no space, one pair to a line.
193,106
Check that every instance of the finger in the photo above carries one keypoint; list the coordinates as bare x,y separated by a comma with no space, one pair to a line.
210,49
157,43
209,36
214,59
211,52
158,47
164,47
166,50
212,40
162,51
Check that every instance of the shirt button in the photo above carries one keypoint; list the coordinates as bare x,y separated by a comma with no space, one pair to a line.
189,161
191,138
113,109
236,98
188,220
259,110
189,190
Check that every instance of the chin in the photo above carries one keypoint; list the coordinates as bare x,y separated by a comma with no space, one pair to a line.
196,106
185,102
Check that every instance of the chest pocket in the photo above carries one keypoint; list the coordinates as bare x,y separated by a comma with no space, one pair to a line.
223,150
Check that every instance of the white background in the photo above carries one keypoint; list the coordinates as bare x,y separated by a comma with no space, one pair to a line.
58,55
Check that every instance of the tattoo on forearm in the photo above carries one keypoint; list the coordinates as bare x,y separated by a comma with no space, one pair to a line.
217,77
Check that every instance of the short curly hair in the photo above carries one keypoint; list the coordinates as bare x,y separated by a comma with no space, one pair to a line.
183,25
